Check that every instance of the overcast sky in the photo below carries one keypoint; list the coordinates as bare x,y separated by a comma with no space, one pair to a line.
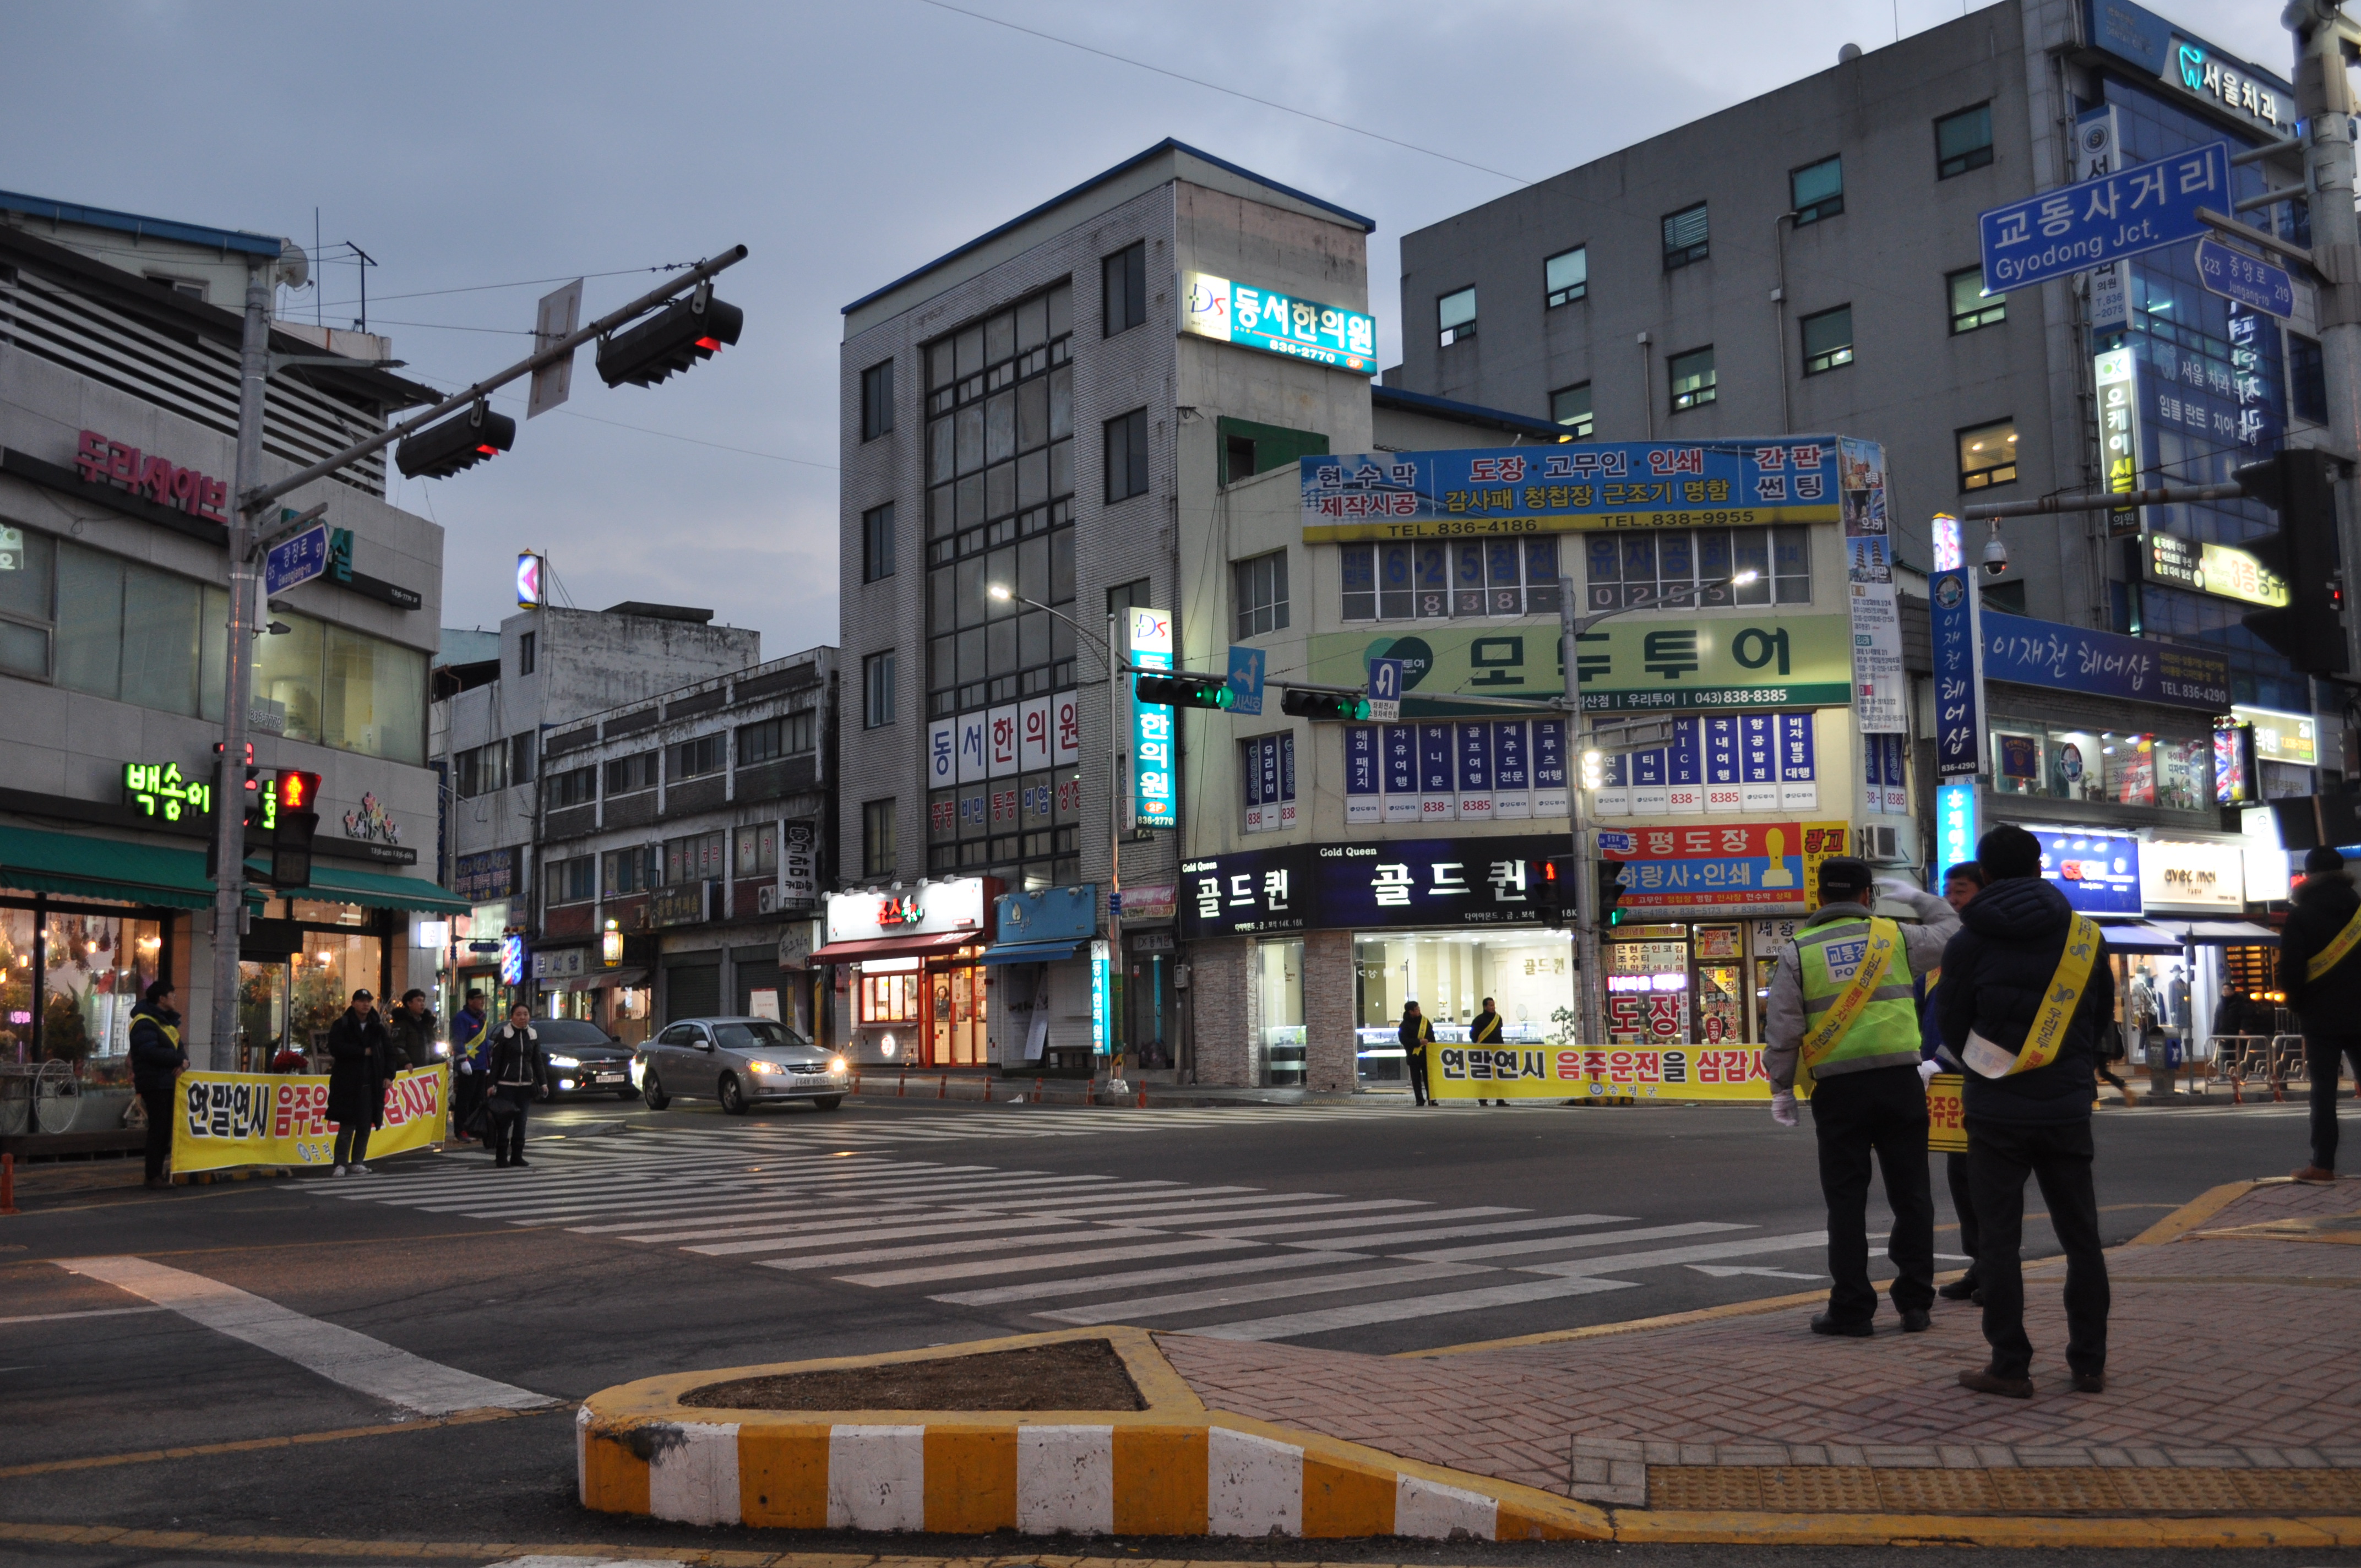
481,152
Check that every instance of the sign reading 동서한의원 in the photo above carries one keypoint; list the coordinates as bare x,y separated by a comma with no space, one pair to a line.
1570,488
1252,316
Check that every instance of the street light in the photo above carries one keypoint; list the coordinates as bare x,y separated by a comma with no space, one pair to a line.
1571,627
1004,594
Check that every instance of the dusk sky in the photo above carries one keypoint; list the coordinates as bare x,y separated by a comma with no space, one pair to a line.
483,153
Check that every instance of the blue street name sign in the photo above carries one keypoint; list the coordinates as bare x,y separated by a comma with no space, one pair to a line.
297,560
2234,275
1245,679
2077,227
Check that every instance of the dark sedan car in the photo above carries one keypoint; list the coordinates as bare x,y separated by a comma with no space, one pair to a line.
584,1060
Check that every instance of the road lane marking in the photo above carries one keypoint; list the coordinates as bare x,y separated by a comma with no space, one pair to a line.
1073,1242
1259,1291
1045,1230
1752,1247
253,1444
1566,1244
1125,1279
1293,1227
99,1312
1292,1325
335,1352
1034,1261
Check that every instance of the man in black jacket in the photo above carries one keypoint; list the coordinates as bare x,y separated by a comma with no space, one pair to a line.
2322,933
157,1061
2007,968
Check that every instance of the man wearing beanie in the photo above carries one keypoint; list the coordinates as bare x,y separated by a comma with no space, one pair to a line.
1840,1006
2320,970
2027,989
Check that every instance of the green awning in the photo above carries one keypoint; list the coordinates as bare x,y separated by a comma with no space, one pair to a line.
88,867
378,891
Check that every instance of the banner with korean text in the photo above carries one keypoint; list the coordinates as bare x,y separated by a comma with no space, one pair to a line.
229,1119
1597,1072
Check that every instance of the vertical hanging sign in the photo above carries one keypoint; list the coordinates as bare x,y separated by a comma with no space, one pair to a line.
2119,435
1154,799
1956,625
1880,690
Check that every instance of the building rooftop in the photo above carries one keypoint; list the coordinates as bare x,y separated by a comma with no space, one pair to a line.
132,224
659,611
1465,414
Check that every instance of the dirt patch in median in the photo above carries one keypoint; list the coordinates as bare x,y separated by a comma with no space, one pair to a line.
1072,1375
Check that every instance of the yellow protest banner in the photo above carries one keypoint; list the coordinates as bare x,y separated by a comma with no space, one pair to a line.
1597,1072
1947,1113
230,1119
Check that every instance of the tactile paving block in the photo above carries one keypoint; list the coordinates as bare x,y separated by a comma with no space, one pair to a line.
2043,1491
1937,1491
2298,1491
2151,1490
1820,1489
1705,1487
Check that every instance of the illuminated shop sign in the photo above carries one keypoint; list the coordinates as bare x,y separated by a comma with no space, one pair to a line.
1252,316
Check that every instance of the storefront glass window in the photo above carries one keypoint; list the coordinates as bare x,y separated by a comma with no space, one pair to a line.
1448,973
2117,767
325,975
627,1017
889,998
15,985
97,965
1279,980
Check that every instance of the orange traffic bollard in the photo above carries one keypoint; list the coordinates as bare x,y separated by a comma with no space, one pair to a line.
7,1184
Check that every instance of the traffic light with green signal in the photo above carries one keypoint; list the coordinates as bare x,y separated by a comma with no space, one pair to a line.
1184,691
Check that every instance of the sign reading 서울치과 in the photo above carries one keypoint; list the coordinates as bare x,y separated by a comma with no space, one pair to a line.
230,1119
1570,488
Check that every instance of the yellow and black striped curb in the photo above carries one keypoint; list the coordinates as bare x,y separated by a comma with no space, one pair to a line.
1174,1469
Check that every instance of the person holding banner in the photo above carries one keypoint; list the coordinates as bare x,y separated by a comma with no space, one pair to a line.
156,1062
357,1080
1486,1032
2320,970
470,1030
1416,1034
2026,995
1843,1008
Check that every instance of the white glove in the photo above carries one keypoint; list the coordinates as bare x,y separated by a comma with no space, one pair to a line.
1783,1107
466,1066
1927,1071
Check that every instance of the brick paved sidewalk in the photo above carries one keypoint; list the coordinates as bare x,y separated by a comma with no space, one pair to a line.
2226,1352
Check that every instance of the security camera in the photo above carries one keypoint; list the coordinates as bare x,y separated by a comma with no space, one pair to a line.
1995,555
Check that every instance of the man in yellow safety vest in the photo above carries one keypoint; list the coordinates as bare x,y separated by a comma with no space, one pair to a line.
2320,970
1842,1008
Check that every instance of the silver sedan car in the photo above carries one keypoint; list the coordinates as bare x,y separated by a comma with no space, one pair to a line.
737,1062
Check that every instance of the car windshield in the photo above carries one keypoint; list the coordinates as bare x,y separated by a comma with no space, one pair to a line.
756,1033
570,1031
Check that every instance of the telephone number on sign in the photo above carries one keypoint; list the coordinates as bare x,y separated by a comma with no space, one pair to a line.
1445,528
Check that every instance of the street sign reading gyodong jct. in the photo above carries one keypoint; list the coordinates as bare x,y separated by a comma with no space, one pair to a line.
2077,227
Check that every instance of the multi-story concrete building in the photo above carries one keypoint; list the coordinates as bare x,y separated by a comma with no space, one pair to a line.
683,846
496,694
119,358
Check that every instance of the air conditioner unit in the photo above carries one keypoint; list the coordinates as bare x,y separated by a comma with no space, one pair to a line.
1881,844
766,899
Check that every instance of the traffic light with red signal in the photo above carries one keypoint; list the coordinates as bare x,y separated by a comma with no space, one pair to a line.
297,818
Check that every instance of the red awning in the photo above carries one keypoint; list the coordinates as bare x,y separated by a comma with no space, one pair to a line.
895,947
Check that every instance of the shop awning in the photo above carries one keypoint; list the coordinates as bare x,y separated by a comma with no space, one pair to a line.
378,891
82,867
2135,936
602,980
2224,933
894,946
1034,952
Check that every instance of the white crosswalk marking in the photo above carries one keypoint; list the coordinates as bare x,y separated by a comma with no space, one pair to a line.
834,1199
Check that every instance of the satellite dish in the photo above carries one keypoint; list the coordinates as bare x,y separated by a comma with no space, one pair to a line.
294,265
1848,54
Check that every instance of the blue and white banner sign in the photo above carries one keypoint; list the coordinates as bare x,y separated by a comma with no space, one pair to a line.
2234,275
2077,227
2028,652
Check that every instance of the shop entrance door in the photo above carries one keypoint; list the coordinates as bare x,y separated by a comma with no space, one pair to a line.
955,1020
262,988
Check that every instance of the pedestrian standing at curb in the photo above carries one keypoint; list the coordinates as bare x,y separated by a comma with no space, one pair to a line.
2026,992
516,1068
156,1063
411,1027
1961,885
2320,970
470,1027
1416,1034
1483,1035
1841,1009
356,1051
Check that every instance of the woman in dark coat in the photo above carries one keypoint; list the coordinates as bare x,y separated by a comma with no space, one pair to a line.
356,1049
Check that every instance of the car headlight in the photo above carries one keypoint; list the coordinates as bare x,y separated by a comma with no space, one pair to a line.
836,1064
564,1061
763,1066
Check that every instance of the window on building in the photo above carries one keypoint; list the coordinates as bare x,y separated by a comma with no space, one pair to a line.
758,848
1828,340
1132,595
525,651
1680,567
574,881
1565,277
706,754
1963,141
2307,379
480,770
1817,190
1970,306
1127,455
1691,378
877,838
877,689
1685,236
877,542
627,775
634,870
1988,454
575,786
700,857
999,471
789,735
1465,578
521,748
1570,406
1260,587
1249,448
877,400
1455,317
1124,280
2063,761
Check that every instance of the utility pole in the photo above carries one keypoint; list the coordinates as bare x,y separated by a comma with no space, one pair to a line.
1589,984
229,789
2324,38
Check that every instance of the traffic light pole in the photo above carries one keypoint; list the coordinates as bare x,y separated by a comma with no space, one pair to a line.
2324,100
1588,983
253,499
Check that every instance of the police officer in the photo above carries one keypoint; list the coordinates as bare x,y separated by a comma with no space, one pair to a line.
1842,1006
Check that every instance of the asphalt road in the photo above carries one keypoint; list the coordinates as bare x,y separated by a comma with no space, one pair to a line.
792,1235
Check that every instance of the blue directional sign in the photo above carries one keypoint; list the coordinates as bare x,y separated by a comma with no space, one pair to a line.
296,560
2077,227
1245,679
1384,690
2234,275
